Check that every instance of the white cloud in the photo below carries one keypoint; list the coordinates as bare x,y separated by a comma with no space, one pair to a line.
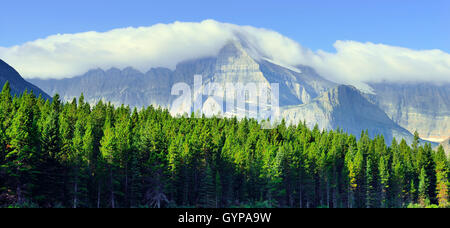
165,45
160,45
368,62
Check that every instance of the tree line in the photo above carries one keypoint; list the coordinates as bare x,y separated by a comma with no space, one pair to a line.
55,154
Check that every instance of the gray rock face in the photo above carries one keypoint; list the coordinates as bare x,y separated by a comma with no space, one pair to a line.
127,86
17,84
424,107
235,65
295,87
346,108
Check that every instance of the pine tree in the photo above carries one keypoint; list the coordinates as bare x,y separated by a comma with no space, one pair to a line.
51,176
356,174
78,160
423,188
93,163
5,120
123,138
218,191
153,149
22,152
425,160
207,193
442,173
371,184
384,181
108,150
6,107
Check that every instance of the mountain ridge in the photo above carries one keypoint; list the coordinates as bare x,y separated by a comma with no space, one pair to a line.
331,110
18,84
301,89
421,107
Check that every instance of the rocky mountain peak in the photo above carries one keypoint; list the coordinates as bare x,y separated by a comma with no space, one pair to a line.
235,65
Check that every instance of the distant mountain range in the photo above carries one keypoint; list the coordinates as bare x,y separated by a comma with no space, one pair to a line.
16,82
394,110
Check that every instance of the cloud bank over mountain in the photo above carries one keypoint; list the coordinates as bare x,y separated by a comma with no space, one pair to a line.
165,45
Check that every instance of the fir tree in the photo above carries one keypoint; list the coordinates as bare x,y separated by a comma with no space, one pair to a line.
108,150
424,183
23,150
442,174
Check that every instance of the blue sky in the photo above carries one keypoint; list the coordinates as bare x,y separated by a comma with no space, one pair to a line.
314,24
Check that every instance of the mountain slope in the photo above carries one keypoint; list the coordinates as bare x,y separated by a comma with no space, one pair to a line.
424,107
17,83
345,107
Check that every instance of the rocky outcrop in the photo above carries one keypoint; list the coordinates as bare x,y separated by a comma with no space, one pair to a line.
346,108
424,107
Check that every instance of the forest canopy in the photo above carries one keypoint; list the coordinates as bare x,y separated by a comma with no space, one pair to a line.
55,154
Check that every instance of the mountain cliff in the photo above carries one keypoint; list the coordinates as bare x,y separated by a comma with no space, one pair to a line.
346,108
423,107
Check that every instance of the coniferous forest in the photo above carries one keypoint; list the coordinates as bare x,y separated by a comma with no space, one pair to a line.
55,154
